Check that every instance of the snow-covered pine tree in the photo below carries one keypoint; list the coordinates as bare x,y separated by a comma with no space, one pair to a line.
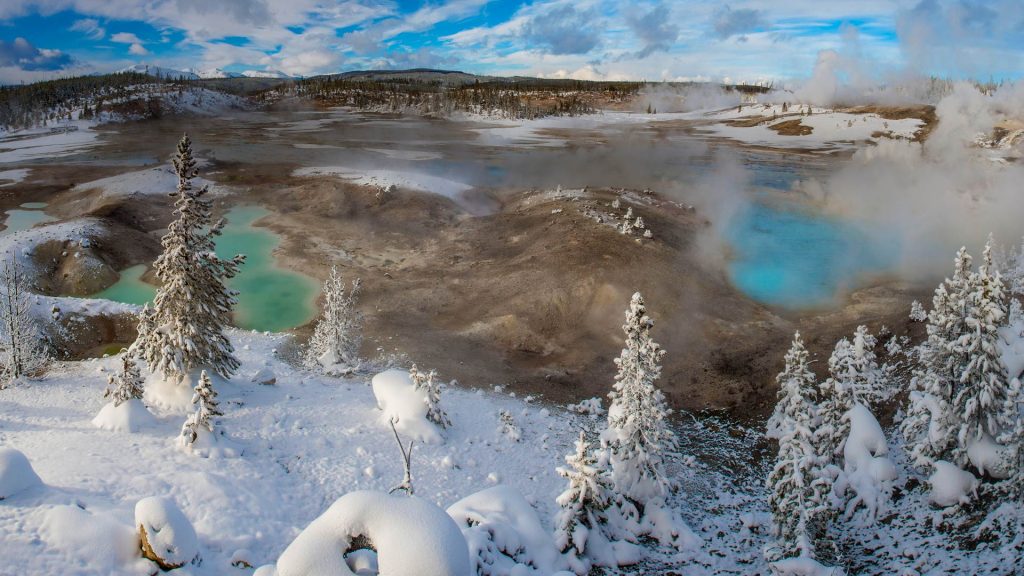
985,403
339,332
126,384
836,399
204,417
431,388
917,312
638,435
798,485
23,350
582,507
192,305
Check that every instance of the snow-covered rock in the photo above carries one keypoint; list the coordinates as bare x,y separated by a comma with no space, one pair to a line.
950,485
90,543
867,472
504,534
16,473
399,400
264,376
165,534
409,535
130,416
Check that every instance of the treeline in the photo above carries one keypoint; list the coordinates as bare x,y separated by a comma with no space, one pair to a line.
514,98
31,105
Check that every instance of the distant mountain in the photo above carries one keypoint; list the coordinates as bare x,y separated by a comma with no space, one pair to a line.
161,71
214,73
266,74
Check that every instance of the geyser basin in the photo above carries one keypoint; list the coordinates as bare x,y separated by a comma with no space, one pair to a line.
271,298
792,258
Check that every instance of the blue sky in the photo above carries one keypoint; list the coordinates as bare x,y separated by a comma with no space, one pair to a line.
591,39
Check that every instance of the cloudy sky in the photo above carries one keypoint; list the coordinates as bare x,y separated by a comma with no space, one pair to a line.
746,40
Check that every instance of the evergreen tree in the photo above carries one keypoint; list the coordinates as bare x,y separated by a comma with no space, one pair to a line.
339,332
431,387
638,434
582,506
836,400
127,383
798,484
205,401
984,403
23,350
185,330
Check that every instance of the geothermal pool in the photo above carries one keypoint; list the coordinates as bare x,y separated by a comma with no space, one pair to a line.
24,217
271,298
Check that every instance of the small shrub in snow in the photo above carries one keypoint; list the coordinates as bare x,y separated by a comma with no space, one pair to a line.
431,389
508,426
588,407
404,406
165,535
917,312
125,384
184,330
16,473
199,430
401,534
950,485
580,521
23,350
338,335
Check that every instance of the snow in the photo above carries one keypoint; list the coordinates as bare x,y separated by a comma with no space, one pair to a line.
13,176
153,70
411,155
868,473
804,566
167,533
84,542
16,473
950,485
400,401
266,74
411,537
504,534
382,178
159,180
989,457
40,143
130,416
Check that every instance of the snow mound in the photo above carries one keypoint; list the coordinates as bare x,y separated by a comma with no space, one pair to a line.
411,537
386,178
504,534
91,543
869,474
166,534
951,485
161,180
400,401
130,416
210,445
16,473
990,457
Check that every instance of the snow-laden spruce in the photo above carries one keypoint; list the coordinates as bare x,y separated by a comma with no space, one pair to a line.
582,515
798,490
23,350
125,412
638,438
184,330
962,395
430,387
200,434
334,346
853,379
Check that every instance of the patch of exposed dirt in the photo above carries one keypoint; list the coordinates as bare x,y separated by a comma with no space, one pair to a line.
792,128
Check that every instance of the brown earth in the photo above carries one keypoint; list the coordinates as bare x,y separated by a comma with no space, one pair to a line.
792,128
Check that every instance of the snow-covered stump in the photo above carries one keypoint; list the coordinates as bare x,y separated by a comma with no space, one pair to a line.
16,473
366,530
128,416
504,534
165,535
401,402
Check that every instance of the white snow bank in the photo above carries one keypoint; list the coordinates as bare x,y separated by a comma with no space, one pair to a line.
411,536
504,534
159,180
399,400
804,566
167,533
36,144
868,473
130,416
385,178
829,130
91,543
951,485
13,176
16,473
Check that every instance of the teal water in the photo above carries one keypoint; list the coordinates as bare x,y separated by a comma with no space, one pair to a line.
26,216
270,298
792,258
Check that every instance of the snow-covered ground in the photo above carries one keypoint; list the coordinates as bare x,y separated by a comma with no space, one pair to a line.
384,178
158,180
41,143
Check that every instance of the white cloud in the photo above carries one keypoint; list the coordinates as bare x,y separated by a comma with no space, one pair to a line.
90,27
125,38
138,49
